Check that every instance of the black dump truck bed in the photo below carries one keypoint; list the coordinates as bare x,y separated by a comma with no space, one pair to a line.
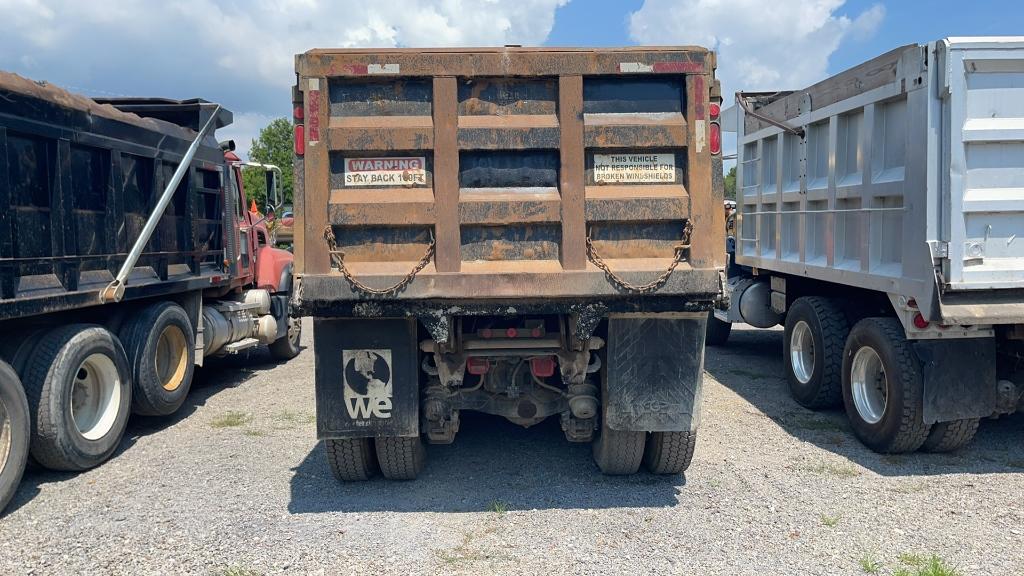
78,179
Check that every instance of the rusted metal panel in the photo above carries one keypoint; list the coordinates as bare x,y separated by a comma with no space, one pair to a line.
504,62
446,182
508,160
574,252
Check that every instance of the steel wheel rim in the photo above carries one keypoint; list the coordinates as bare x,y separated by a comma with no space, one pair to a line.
868,384
171,358
801,352
95,396
5,435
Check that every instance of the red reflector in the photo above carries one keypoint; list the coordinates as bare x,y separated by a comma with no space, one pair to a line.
511,332
919,322
542,367
535,332
477,366
715,110
715,142
486,333
300,139
298,113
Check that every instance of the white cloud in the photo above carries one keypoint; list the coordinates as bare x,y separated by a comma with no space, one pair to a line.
236,52
778,45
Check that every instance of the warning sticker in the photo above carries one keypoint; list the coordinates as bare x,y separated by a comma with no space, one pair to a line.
638,168
367,379
391,171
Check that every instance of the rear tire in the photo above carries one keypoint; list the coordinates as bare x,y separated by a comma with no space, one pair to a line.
79,392
619,452
14,433
717,332
351,459
882,387
289,345
160,345
400,457
816,331
950,436
669,452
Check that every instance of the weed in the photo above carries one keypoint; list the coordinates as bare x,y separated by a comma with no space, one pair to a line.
869,564
498,507
830,521
924,566
464,552
254,432
231,419
830,469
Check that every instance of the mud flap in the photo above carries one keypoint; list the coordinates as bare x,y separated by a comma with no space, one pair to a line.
959,378
655,365
367,378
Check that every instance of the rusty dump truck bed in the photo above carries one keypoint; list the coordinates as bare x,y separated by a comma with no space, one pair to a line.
506,161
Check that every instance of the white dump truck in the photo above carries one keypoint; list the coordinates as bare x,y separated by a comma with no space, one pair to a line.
880,219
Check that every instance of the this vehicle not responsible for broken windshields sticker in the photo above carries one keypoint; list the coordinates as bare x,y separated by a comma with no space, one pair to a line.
634,168
389,171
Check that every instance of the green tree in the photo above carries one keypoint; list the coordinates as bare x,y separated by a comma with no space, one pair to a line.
273,146
730,184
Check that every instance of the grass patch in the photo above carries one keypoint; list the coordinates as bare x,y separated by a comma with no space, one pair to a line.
815,423
289,417
748,373
238,571
231,419
918,565
254,432
869,564
910,487
830,521
830,469
465,552
498,507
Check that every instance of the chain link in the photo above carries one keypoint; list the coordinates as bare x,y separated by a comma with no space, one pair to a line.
338,257
653,285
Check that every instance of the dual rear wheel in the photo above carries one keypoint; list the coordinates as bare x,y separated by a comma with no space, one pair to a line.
358,459
868,368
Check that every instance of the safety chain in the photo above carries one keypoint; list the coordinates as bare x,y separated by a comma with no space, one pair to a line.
653,285
338,257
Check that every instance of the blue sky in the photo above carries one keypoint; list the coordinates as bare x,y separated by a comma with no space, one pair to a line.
240,52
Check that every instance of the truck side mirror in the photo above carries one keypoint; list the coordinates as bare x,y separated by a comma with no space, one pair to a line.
273,195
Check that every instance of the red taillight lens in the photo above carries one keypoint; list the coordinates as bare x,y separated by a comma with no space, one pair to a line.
300,139
512,333
715,111
919,322
542,367
477,366
715,142
299,113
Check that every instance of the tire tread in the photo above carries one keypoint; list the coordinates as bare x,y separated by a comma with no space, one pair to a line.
400,457
350,459
834,330
669,452
950,436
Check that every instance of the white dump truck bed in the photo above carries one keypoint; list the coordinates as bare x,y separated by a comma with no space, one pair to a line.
903,175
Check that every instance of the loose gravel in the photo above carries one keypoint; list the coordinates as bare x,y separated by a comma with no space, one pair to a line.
236,484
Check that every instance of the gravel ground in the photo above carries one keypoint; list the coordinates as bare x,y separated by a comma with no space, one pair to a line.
237,484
